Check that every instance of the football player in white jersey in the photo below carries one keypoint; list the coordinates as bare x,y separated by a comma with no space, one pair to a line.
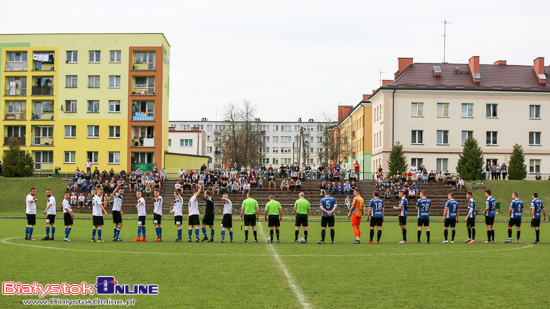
67,216
178,213
157,217
117,212
31,214
50,219
97,207
141,217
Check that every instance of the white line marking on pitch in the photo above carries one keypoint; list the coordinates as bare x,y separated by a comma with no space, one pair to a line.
295,288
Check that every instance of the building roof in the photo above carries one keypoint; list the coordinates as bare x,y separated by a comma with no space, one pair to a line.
91,33
457,76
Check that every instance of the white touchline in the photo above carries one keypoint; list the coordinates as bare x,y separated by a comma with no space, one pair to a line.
295,288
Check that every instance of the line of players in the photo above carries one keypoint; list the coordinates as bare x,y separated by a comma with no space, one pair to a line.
273,215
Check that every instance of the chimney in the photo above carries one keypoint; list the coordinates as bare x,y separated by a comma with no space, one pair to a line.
403,64
539,70
342,111
500,62
474,68
386,81
366,96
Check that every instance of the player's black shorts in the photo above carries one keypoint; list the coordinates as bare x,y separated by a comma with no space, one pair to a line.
450,222
227,221
471,222
376,221
194,220
97,220
249,220
141,220
117,217
535,222
50,219
301,219
327,221
178,220
516,222
68,220
157,219
208,219
273,220
31,219
402,220
425,222
489,220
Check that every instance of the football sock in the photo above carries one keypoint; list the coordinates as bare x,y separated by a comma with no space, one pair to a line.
160,232
68,231
371,234
469,233
296,235
537,232
114,232
518,233
323,233
231,234
332,234
489,235
473,234
305,235
493,235
453,233
53,231
99,233
255,235
223,234
277,232
509,233
428,235
359,232
212,232
139,231
446,234
31,229
143,231
204,230
48,231
118,229
93,233
197,232
419,233
27,232
404,231
246,235
271,234
378,235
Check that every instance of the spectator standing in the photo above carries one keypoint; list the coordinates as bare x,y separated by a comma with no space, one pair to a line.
88,166
356,168
503,171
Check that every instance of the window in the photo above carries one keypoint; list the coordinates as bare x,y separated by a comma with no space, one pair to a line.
93,81
263,150
93,131
17,57
114,157
466,135
169,142
534,138
114,81
296,128
286,128
492,111
441,164
442,109
264,160
275,149
275,127
275,161
93,156
534,111
18,108
16,86
264,139
467,110
286,161
442,137
95,56
286,139
209,149
93,106
534,166
417,162
264,127
417,137
209,138
70,131
275,139
115,56
417,109
114,131
71,81
70,157
285,150
72,56
186,142
492,138
114,106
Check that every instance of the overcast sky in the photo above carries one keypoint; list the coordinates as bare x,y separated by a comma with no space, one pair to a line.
292,59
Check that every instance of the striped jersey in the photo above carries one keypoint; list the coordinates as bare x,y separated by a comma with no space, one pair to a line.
472,208
423,205
405,204
491,205
452,209
537,205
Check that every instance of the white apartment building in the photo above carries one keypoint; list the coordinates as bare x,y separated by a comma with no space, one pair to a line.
191,142
431,108
281,139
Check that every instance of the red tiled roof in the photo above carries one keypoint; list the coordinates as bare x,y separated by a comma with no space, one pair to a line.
493,77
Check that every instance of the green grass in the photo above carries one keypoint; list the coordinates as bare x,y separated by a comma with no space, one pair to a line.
14,191
237,275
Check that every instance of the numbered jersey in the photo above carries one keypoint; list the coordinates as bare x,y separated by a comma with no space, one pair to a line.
405,204
517,209
328,203
358,203
491,205
472,208
423,205
537,205
452,209
377,208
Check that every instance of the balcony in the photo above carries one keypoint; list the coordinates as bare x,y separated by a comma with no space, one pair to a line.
43,61
218,153
143,142
42,141
218,143
218,132
14,66
140,66
143,61
42,90
138,116
15,116
143,85
20,140
145,167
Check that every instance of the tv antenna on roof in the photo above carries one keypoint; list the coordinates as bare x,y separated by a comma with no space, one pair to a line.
445,23
380,76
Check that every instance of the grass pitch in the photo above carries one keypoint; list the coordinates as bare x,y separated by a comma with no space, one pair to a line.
237,275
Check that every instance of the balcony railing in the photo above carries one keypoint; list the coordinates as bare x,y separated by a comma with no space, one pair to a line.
139,66
42,90
42,116
16,92
145,167
143,117
42,141
143,91
15,116
16,65
38,166
146,142
20,140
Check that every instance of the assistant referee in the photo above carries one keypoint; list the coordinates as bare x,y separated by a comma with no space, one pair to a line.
301,207
251,211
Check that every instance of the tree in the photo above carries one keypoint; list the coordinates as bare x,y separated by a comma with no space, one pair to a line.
16,163
332,141
242,135
397,161
516,167
471,160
